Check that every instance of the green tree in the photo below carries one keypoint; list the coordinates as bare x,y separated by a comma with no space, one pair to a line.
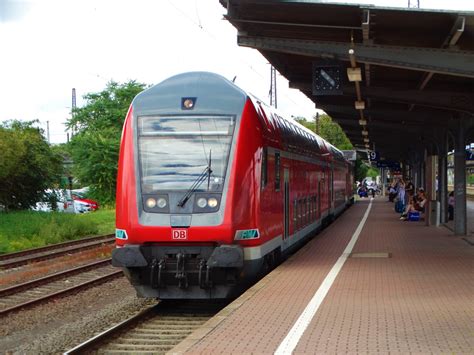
95,147
28,166
333,133
64,151
329,130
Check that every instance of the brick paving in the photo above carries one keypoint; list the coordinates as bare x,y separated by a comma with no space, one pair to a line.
418,300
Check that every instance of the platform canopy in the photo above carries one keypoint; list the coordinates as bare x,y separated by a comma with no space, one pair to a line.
396,79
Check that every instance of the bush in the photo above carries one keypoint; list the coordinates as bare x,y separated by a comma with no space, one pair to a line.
27,165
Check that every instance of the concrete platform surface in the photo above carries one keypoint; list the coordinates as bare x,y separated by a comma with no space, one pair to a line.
404,288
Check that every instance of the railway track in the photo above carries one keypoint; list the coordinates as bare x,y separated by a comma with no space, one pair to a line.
11,260
153,331
59,284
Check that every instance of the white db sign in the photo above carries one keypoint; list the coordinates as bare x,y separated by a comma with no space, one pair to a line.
179,234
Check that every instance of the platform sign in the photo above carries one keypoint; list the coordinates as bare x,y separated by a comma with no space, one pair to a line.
373,155
390,164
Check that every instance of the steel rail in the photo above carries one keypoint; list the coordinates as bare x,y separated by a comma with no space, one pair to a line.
154,330
54,246
56,276
109,333
69,290
50,253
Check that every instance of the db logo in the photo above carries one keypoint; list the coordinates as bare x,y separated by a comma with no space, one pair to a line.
179,234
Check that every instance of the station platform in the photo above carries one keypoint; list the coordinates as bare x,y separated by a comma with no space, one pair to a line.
403,287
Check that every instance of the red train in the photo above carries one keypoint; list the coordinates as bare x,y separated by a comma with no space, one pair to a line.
214,187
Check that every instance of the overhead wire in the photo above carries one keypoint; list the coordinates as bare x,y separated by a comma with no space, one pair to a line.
198,23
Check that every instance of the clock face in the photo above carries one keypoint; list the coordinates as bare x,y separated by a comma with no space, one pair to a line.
327,81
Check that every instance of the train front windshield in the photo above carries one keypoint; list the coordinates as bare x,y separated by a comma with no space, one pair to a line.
175,150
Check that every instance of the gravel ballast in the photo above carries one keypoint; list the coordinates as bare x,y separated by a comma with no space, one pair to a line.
62,324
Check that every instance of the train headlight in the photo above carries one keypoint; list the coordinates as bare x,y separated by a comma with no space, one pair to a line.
151,202
202,202
212,202
206,202
161,203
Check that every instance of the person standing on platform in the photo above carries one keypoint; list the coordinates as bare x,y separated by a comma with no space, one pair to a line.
400,204
410,191
451,206
401,191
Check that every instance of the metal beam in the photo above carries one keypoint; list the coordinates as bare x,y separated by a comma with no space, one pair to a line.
452,39
366,39
448,100
411,118
347,121
235,20
441,61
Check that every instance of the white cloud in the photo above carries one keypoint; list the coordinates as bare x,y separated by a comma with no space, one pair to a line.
53,46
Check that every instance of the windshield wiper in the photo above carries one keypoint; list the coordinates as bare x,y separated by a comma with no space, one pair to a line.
206,173
209,170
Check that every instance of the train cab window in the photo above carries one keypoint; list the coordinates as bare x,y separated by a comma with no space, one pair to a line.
277,171
264,167
174,150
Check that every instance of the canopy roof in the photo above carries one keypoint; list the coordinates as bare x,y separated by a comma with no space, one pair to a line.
416,65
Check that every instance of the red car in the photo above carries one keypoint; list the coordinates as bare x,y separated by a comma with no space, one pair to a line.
82,204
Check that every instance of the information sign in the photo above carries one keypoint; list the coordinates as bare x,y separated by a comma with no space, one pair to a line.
373,155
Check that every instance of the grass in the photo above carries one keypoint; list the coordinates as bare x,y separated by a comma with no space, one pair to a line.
30,229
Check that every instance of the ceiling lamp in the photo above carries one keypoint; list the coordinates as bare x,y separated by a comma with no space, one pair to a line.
360,105
354,74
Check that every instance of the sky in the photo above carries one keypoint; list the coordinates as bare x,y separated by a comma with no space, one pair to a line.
52,46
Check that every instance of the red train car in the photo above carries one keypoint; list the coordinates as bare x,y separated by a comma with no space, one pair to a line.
214,187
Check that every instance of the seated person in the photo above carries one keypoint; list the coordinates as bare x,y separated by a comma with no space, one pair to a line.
416,204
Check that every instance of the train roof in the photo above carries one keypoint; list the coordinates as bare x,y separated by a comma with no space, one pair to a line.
214,94
324,146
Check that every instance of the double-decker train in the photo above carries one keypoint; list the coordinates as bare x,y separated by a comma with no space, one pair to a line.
214,187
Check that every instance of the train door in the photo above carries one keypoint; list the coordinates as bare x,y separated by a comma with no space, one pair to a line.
318,213
286,202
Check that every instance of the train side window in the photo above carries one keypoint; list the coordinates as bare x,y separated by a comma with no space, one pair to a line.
277,171
310,209
305,214
310,212
299,214
295,214
264,167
